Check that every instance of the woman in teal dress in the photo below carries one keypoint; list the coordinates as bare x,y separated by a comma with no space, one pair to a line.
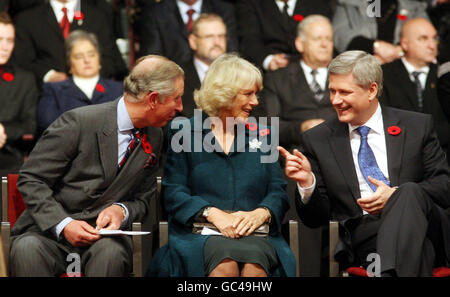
215,166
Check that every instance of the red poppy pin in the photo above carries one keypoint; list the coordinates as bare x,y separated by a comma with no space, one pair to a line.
79,16
8,76
298,17
394,130
100,88
264,132
403,15
151,160
251,126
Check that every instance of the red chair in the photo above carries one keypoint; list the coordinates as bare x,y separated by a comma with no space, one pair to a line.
359,271
12,208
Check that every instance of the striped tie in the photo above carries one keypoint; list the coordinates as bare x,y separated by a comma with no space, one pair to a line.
315,87
419,90
135,140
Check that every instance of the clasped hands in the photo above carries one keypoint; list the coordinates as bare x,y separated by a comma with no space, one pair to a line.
238,224
298,168
80,233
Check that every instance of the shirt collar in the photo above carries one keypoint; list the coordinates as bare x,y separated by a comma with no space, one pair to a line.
183,7
201,68
307,69
124,122
57,7
410,68
375,123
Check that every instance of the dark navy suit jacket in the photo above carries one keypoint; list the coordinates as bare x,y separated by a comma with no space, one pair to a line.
59,97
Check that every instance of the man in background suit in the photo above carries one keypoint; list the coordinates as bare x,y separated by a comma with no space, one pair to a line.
208,40
298,94
379,171
40,39
410,82
267,28
165,26
18,100
95,167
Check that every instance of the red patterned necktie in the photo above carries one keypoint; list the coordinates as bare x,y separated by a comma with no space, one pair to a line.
190,12
65,25
135,140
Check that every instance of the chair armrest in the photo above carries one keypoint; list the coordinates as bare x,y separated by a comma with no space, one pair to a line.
163,233
334,237
294,244
4,213
137,251
4,248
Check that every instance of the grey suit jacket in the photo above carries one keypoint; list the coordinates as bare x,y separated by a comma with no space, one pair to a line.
351,20
72,171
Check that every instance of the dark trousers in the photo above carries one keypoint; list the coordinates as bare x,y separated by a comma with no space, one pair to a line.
33,254
411,235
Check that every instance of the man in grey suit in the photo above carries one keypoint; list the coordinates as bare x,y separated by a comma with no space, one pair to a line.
84,175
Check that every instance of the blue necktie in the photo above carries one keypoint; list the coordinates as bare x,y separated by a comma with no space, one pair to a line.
366,160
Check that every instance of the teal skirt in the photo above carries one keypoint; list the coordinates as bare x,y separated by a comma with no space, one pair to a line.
249,249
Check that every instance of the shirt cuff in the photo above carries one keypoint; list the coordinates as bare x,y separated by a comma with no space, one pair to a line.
60,227
48,74
267,61
306,193
127,214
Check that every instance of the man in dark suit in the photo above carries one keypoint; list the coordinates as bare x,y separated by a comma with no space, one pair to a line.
298,94
18,100
40,39
95,167
164,26
410,82
207,41
267,28
379,171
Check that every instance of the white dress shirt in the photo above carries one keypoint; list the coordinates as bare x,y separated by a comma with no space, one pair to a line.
321,76
201,68
183,8
422,76
377,143
86,85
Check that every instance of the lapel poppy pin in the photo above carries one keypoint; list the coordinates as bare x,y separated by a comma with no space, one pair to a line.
264,132
100,88
394,130
151,159
298,17
251,126
403,15
8,76
79,16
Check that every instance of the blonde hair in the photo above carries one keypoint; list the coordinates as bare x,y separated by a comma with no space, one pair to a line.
226,76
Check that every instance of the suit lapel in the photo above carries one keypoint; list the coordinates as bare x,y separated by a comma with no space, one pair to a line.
274,12
50,18
340,146
394,145
175,16
404,80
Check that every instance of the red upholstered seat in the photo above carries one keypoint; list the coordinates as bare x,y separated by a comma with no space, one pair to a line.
15,202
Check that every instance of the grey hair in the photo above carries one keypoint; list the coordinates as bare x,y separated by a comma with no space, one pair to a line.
78,35
365,68
301,27
157,78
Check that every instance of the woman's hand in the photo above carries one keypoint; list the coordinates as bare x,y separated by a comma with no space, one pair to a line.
223,221
246,222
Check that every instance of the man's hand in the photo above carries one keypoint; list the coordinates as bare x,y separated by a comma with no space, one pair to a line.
80,233
3,136
278,61
386,52
246,222
57,76
308,124
297,167
110,218
374,203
